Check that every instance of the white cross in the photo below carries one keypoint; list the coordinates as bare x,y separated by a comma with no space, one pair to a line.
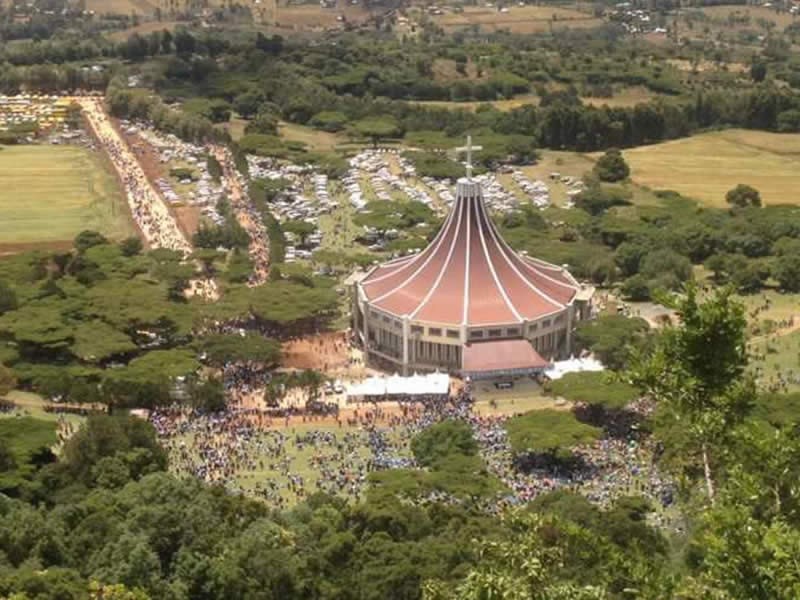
468,149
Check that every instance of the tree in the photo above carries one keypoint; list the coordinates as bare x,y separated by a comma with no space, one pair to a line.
520,566
443,439
8,297
695,373
742,196
612,338
86,239
786,270
636,288
131,246
8,380
611,167
758,71
222,348
377,128
208,395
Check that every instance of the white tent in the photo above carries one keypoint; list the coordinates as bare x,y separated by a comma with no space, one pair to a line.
573,365
396,385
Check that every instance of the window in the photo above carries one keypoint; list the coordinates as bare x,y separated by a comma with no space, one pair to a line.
495,332
453,333
546,323
476,334
397,324
417,329
512,331
386,319
559,318
533,327
434,331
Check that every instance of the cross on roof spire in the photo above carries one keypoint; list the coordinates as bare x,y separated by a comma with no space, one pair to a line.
468,149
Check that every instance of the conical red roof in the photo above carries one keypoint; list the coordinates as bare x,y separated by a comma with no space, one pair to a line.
468,275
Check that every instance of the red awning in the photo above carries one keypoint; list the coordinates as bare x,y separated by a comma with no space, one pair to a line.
501,355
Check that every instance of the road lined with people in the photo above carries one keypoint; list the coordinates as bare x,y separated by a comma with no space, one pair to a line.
148,209
246,214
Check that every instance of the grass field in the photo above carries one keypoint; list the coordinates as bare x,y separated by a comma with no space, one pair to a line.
51,193
315,140
518,19
756,13
706,166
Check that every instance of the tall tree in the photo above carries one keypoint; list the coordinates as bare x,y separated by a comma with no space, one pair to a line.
696,374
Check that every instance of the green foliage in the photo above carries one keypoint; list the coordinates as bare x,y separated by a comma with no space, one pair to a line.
440,441
8,298
331,121
594,388
786,271
384,215
223,348
596,199
377,128
695,372
548,431
86,239
432,164
611,338
104,438
742,196
611,167
131,246
8,380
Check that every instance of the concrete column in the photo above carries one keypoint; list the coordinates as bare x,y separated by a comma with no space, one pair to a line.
570,323
406,327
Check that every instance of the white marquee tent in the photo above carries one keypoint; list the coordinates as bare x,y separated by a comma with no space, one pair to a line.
395,385
573,365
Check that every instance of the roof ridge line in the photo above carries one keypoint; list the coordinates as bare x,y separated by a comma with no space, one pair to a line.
504,251
414,259
436,283
465,299
483,216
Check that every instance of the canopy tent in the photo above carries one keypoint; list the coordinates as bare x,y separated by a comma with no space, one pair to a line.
395,385
573,365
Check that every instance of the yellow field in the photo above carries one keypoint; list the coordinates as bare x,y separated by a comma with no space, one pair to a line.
518,19
52,193
706,166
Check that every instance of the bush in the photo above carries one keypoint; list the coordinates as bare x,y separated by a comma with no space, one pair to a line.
611,167
548,432
743,195
594,388
441,440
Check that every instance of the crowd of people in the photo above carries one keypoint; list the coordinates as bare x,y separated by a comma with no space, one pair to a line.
149,211
284,456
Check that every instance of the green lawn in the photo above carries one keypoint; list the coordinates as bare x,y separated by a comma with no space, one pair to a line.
51,193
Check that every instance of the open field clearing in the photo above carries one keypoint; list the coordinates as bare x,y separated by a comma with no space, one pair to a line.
52,193
625,97
122,7
518,19
706,166
315,140
755,13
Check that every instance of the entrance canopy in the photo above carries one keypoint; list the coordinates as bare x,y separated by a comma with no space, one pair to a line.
502,357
